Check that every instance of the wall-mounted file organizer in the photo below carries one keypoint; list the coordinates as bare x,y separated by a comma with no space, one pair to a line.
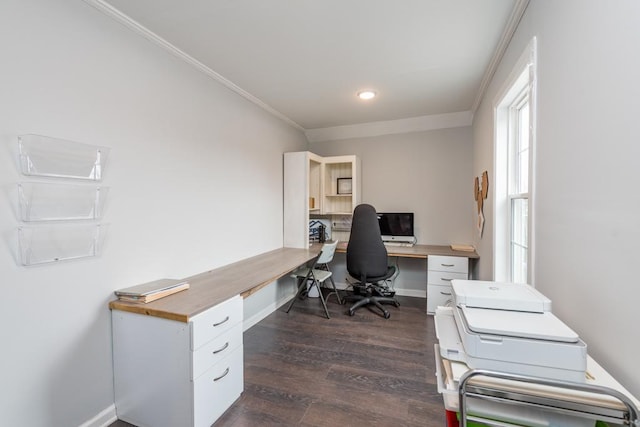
55,202
40,244
59,220
52,157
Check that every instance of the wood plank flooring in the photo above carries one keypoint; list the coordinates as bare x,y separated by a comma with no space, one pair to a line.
302,369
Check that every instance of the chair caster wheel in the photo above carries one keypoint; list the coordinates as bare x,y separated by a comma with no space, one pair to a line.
397,304
387,315
351,312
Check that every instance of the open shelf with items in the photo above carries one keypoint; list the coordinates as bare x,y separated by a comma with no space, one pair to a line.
57,158
56,202
341,185
318,187
41,244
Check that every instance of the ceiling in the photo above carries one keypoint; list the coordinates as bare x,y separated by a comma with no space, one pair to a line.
305,60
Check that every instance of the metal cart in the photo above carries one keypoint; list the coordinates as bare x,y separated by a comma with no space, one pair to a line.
617,409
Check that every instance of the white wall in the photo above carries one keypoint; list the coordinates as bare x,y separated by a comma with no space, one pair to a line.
587,225
195,178
428,173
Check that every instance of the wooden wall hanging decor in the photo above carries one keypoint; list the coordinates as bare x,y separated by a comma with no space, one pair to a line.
480,193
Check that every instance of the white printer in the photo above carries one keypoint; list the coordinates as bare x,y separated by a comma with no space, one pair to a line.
509,327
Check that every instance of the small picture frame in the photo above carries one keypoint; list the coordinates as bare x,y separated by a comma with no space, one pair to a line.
344,186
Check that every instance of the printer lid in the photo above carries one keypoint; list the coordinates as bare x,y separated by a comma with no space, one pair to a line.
540,326
499,296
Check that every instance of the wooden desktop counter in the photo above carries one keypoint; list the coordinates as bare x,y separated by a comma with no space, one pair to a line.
419,251
215,286
178,361
252,274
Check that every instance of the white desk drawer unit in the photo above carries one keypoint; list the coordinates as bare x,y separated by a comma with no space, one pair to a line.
441,270
171,373
215,350
218,388
211,323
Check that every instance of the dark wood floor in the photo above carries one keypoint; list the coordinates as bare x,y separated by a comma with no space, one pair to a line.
302,369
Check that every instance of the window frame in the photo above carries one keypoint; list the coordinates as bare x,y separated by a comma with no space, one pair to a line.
518,90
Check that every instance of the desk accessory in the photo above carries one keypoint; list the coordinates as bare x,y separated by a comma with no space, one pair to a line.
151,291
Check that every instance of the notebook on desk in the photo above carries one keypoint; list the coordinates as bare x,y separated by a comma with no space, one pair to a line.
151,291
464,248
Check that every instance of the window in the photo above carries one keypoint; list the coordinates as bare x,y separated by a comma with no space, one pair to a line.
514,173
518,187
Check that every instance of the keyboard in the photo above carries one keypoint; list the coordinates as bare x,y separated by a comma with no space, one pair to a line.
402,244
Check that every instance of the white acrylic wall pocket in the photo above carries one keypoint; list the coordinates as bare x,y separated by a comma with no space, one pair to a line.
59,218
55,202
58,158
40,244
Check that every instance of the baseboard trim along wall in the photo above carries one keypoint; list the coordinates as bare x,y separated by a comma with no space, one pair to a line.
105,418
256,318
417,293
248,323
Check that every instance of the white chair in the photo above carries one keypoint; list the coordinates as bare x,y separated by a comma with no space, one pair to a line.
328,251
314,274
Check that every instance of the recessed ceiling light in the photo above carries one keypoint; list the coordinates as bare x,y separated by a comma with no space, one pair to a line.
366,94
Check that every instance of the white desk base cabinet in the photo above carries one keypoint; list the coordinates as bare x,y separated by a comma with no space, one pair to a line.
171,373
441,270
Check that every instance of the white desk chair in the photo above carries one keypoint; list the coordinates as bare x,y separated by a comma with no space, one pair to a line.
328,251
315,275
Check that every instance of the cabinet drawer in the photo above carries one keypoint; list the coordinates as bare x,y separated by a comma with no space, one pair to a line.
215,321
217,389
448,263
438,295
443,277
216,350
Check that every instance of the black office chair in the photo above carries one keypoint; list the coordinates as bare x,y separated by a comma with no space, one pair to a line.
367,262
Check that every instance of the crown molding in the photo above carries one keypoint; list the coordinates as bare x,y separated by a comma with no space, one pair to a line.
413,124
389,127
138,28
505,39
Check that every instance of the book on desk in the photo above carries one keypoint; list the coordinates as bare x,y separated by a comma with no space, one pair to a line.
463,248
151,291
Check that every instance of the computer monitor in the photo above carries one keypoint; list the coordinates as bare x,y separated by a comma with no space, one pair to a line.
396,226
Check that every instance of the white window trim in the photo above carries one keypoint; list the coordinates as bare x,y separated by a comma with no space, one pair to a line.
523,73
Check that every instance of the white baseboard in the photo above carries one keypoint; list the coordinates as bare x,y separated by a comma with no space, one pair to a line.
248,323
422,293
418,293
107,417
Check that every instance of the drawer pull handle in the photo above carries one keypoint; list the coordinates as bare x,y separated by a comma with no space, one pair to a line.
221,349
445,293
447,265
220,323
445,279
226,371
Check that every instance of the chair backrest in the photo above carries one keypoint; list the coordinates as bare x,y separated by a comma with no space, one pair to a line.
311,264
328,250
366,253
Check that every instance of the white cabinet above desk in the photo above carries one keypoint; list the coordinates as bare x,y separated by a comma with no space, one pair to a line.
316,186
